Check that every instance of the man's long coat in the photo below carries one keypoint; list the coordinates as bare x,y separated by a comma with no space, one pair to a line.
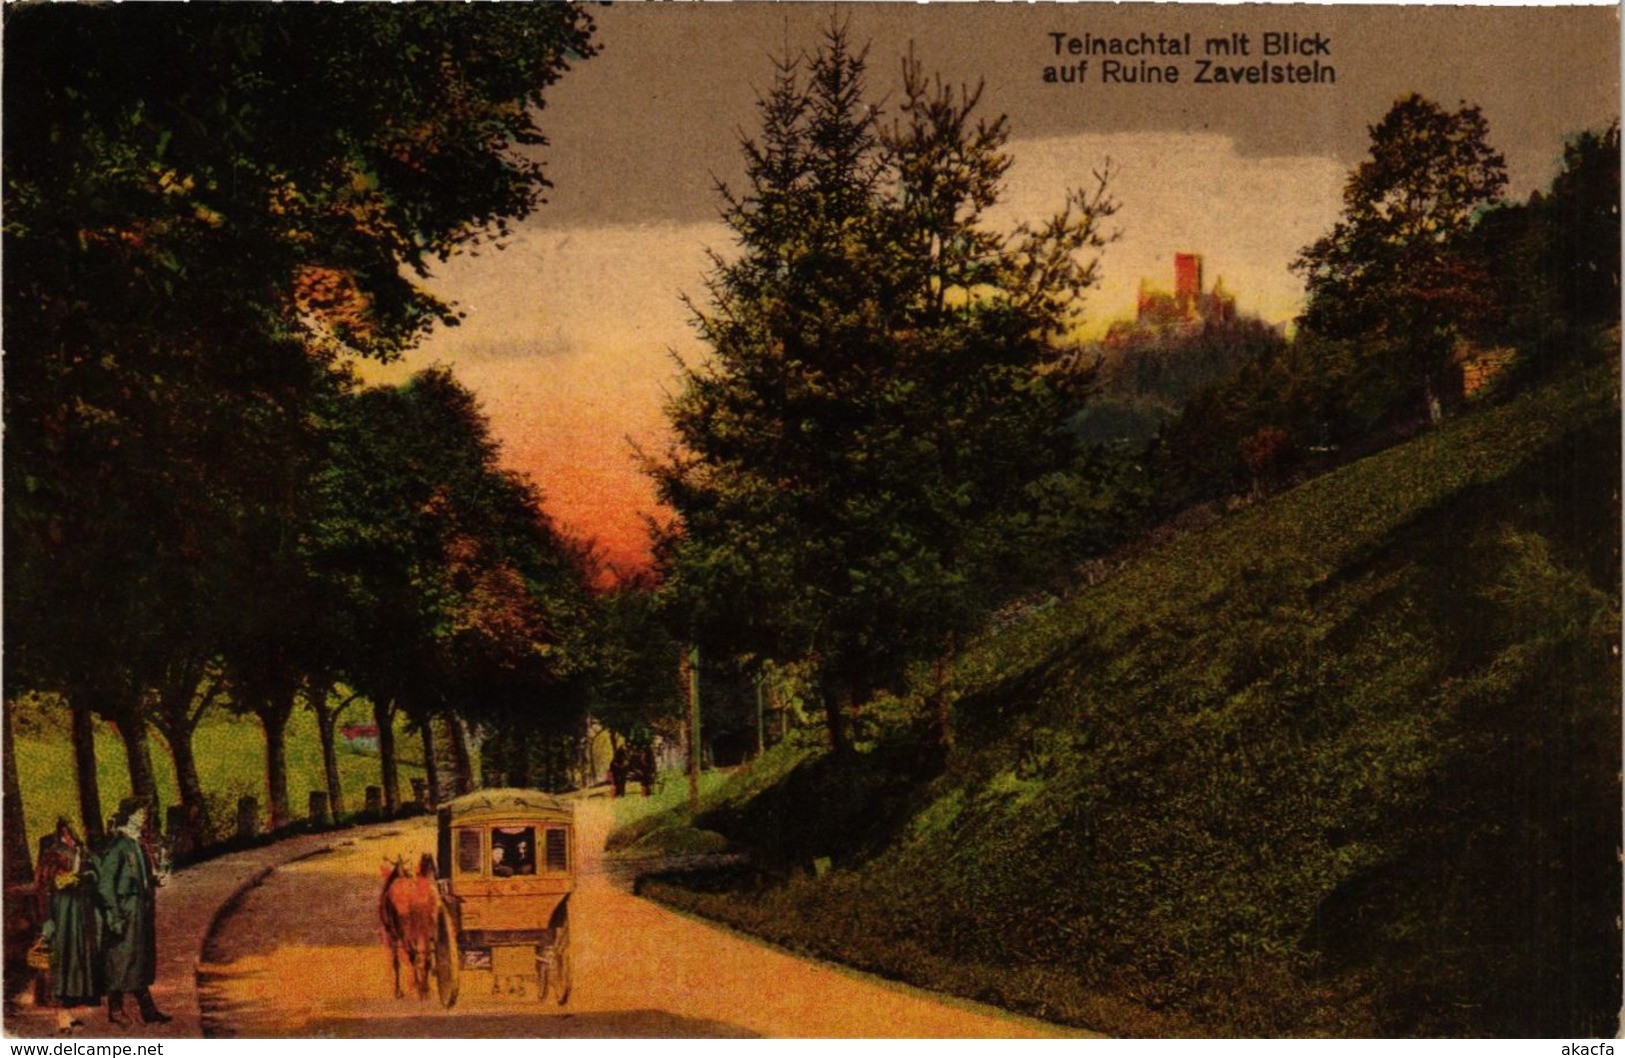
127,886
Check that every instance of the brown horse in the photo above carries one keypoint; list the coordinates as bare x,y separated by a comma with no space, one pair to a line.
407,909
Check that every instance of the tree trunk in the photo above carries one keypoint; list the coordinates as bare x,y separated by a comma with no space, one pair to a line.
939,694
176,716
276,770
21,916
84,768
186,776
431,767
383,714
138,753
492,765
274,712
462,779
837,703
19,860
327,720
194,810
775,705
696,748
761,735
326,729
325,726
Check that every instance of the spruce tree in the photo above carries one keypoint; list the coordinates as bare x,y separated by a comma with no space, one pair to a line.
856,462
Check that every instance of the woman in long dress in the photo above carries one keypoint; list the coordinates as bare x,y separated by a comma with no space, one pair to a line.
66,883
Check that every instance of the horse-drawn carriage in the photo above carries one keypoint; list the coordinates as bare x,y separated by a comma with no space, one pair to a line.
506,868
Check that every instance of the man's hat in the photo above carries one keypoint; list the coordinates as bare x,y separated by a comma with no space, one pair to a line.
126,808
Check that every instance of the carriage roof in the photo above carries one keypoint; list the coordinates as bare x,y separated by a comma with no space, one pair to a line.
504,804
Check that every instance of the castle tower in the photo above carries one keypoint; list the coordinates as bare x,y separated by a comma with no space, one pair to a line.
1187,282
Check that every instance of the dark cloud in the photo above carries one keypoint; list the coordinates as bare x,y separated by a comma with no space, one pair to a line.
641,131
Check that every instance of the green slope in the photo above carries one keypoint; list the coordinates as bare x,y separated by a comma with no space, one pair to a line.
1345,762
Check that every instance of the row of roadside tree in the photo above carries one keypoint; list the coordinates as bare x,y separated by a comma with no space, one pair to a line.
210,218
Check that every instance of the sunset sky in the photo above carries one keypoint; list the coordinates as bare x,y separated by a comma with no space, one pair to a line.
572,330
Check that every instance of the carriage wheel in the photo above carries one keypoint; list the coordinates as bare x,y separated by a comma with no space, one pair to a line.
544,971
447,960
553,967
553,962
562,977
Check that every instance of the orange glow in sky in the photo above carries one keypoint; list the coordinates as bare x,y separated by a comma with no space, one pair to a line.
570,331
568,344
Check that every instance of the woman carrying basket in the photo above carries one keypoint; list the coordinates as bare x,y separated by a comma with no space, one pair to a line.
65,882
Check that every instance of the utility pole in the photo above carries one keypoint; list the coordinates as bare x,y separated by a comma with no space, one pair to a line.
693,726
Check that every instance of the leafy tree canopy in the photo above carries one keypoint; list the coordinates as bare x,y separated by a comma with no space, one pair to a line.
1392,268
462,594
204,206
1554,260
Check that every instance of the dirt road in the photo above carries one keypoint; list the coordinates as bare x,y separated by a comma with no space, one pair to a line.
301,955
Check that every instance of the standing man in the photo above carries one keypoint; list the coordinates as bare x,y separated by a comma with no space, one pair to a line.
619,765
646,767
128,883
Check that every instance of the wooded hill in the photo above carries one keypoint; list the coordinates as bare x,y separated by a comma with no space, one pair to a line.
1345,762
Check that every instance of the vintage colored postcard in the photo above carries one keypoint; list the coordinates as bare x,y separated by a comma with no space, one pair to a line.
855,520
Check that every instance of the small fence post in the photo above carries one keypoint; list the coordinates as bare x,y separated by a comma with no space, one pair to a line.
318,808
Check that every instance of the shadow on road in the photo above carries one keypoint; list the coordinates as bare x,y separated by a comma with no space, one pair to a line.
327,912
627,1024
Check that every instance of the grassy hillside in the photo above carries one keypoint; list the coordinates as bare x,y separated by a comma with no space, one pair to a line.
231,764
1345,762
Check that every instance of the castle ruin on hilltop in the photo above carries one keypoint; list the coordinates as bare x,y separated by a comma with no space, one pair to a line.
1188,305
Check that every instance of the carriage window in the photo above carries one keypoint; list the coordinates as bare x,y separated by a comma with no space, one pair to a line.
513,851
556,856
470,852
